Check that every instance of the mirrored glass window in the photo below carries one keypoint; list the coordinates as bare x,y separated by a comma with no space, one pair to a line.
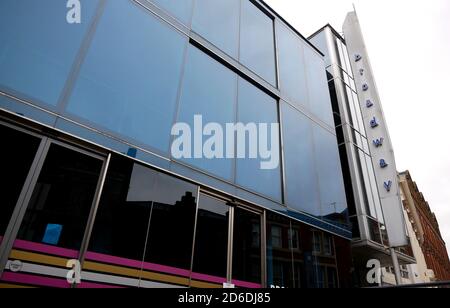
218,22
62,198
38,46
302,190
292,66
257,49
279,254
247,246
319,95
129,80
211,240
332,192
255,108
122,219
182,10
209,92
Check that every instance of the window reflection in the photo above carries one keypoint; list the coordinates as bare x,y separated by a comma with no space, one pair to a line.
211,240
139,203
209,90
279,255
182,10
257,48
302,192
247,246
14,166
292,66
58,210
39,46
128,82
218,22
255,106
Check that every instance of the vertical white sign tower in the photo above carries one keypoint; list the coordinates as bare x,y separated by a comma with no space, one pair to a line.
377,133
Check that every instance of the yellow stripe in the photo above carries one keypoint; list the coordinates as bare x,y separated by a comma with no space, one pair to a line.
136,273
13,286
37,258
204,285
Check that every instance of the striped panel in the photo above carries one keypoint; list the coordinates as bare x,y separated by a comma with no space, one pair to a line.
41,265
45,266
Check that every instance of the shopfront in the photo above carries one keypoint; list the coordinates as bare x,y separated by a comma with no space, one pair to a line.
131,225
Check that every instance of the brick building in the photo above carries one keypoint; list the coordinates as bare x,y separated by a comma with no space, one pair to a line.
426,228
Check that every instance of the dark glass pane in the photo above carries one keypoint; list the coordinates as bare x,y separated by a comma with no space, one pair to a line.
257,50
182,10
172,222
121,223
209,90
247,246
62,198
256,107
302,192
211,242
129,80
218,22
39,46
292,66
16,157
279,254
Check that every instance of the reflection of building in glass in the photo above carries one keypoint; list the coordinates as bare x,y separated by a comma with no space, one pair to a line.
90,123
370,239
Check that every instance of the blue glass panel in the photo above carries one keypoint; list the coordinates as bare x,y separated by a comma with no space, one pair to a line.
319,94
302,191
257,50
292,66
182,10
209,90
38,46
254,106
129,80
218,22
331,183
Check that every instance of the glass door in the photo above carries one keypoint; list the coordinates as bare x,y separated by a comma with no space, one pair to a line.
228,248
51,216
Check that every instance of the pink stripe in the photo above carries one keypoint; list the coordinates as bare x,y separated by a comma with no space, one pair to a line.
91,285
57,251
208,278
35,280
113,260
136,264
244,284
166,269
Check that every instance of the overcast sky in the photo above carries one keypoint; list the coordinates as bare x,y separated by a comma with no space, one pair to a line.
409,47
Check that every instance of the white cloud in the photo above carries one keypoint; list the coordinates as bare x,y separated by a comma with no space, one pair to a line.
409,46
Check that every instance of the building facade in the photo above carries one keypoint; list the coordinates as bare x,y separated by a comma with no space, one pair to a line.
426,228
370,236
412,273
87,112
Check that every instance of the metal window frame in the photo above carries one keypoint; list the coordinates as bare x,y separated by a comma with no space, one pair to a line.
29,186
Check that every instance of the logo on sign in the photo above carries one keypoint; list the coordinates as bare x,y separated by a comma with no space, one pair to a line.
378,142
388,186
373,123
